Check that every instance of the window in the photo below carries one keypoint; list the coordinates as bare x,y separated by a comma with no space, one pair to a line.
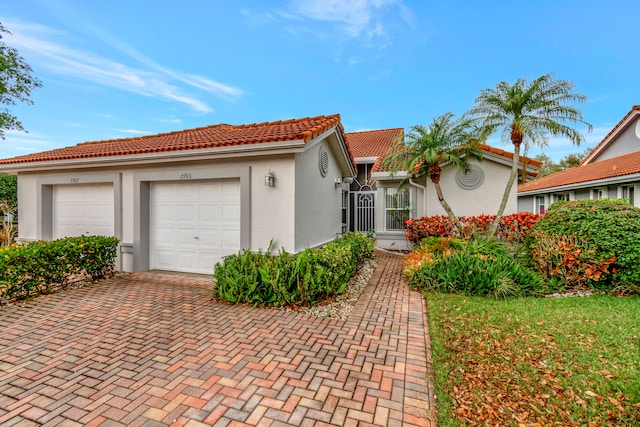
561,196
540,204
627,192
599,193
397,208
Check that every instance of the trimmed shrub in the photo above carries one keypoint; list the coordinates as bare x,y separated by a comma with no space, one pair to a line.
512,228
284,279
606,232
482,267
34,268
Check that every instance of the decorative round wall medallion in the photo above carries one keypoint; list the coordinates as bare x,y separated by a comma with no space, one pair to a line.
470,180
323,161
638,128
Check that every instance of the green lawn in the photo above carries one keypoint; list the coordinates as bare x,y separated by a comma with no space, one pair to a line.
551,361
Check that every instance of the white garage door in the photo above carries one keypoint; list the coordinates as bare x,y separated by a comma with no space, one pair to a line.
193,225
83,210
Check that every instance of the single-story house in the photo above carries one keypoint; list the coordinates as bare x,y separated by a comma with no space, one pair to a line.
181,201
610,170
378,204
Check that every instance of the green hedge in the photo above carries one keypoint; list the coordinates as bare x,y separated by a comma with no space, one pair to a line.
304,279
33,268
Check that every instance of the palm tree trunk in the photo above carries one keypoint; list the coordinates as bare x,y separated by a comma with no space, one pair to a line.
446,206
507,191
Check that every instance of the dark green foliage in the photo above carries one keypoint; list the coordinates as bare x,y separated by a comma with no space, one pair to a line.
9,190
285,279
16,84
33,268
482,267
610,228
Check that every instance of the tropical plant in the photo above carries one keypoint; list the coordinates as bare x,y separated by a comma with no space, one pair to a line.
603,228
303,279
16,83
480,266
526,113
424,150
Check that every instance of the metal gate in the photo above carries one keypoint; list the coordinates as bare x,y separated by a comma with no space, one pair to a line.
364,212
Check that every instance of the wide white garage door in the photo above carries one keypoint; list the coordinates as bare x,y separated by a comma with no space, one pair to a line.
193,224
83,210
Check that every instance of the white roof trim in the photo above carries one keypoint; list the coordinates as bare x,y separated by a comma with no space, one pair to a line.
362,160
258,149
621,127
581,185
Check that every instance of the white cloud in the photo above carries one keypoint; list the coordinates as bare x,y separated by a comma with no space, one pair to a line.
17,143
134,131
358,18
169,120
147,79
367,21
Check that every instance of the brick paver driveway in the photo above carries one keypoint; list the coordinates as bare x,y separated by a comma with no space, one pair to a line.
153,349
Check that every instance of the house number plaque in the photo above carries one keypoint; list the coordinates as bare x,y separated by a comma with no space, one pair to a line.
74,180
185,176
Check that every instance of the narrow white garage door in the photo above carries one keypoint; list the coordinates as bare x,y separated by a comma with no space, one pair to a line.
193,224
83,210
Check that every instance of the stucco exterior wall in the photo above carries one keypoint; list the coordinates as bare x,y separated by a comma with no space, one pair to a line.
525,204
27,208
270,211
317,198
482,200
627,142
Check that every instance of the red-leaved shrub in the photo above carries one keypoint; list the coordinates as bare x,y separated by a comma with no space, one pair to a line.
512,228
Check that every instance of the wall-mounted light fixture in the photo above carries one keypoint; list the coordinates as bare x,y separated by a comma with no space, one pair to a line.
269,179
338,181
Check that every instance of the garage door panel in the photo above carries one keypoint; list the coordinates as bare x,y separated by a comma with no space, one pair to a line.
206,223
230,239
187,213
187,236
231,215
231,193
166,212
210,214
210,238
83,210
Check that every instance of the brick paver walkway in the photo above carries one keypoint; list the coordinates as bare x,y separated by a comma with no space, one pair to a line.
153,349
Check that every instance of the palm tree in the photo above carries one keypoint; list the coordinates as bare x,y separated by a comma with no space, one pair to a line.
424,149
528,112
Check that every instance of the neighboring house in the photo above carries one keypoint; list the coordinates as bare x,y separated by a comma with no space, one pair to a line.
181,201
377,201
610,170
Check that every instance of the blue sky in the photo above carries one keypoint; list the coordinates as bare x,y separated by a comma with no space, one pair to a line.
122,68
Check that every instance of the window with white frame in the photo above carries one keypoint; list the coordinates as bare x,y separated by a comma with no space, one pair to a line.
540,203
397,208
627,192
599,193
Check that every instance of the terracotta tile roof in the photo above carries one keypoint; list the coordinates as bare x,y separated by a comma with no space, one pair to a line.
376,143
221,135
509,155
618,166
372,143
590,157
